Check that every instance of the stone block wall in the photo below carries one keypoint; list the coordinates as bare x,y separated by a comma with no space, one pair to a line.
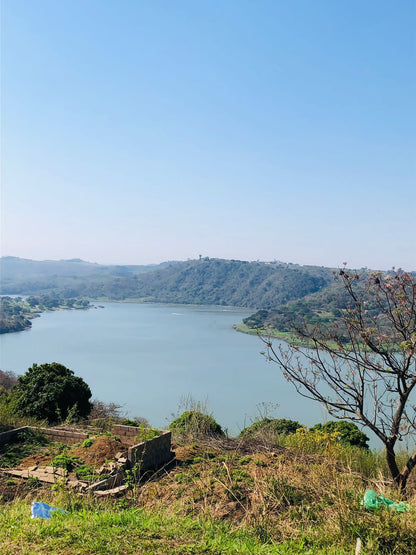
66,436
5,437
149,455
152,454
130,435
55,434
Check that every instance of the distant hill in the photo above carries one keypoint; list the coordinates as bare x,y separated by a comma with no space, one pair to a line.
21,276
223,282
281,294
204,281
324,307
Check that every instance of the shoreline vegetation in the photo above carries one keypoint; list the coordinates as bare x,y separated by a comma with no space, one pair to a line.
16,313
281,295
266,332
287,337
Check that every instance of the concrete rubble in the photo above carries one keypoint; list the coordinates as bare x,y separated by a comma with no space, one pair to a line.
153,453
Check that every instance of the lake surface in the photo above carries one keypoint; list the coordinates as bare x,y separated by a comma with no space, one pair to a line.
148,357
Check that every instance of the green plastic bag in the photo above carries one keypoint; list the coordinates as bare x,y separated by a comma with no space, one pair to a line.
373,502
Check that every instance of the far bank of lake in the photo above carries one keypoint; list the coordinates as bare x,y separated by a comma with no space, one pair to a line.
148,357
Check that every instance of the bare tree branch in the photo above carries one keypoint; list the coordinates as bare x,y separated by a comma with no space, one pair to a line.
365,369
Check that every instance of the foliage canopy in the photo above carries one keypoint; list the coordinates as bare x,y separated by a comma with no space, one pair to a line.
196,423
275,426
349,433
51,391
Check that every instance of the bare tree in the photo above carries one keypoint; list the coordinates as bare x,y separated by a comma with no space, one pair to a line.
8,379
364,368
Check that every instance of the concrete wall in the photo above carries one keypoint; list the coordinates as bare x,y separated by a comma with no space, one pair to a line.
63,436
5,437
128,434
152,454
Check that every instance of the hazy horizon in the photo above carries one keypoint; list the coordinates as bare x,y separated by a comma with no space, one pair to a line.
139,132
409,269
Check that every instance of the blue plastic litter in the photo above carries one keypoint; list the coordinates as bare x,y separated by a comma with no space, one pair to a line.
43,510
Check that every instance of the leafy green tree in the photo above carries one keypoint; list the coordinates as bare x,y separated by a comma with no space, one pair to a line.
350,434
51,392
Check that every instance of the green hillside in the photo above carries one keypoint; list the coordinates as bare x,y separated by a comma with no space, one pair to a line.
204,281
21,276
16,313
221,282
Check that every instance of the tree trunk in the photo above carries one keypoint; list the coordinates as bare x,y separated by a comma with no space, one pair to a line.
402,479
394,469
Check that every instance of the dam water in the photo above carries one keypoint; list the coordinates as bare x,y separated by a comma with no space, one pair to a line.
152,359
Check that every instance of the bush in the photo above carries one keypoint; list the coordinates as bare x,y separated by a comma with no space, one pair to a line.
349,433
270,427
318,442
66,462
52,392
197,424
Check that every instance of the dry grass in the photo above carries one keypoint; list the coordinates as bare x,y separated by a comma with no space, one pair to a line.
284,494
235,496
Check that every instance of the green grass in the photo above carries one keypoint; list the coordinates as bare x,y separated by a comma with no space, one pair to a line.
302,499
95,528
26,443
288,337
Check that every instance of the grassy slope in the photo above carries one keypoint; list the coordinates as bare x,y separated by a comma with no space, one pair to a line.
224,498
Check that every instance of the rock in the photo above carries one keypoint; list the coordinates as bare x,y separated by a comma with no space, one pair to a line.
108,492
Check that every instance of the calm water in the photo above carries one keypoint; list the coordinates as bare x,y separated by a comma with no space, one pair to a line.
148,357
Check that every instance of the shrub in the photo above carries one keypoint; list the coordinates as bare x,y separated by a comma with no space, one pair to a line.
87,442
321,442
349,433
197,424
66,462
271,427
52,391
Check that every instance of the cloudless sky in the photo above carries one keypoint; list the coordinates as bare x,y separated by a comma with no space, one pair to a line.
138,131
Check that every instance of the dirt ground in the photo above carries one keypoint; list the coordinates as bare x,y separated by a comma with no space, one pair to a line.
102,450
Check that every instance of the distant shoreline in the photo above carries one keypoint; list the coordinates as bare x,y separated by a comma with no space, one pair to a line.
287,337
31,314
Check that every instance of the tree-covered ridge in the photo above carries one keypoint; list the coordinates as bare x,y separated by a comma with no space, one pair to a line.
16,313
20,276
222,282
204,281
324,307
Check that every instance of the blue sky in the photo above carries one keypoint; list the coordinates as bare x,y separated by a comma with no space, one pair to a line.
141,131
